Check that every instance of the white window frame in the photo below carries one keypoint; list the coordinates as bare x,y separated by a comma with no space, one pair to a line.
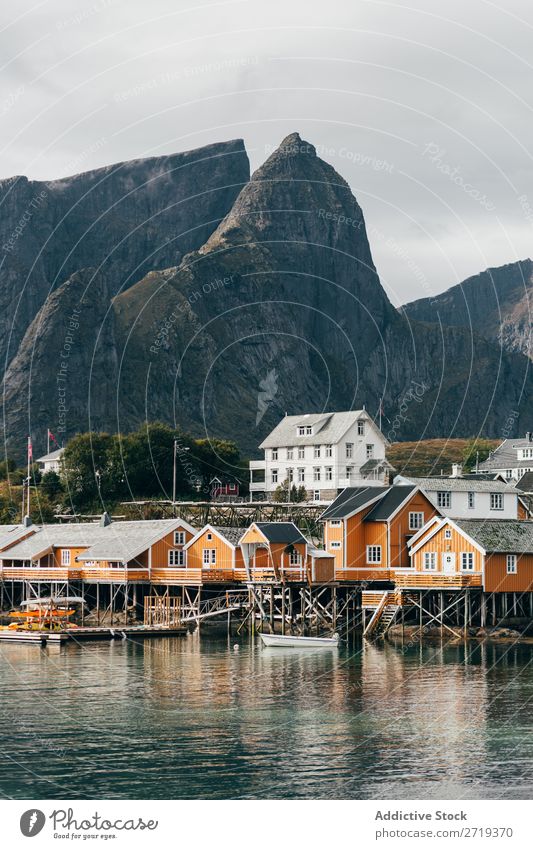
177,557
467,561
209,557
301,452
301,431
290,452
335,523
335,545
316,473
329,451
179,537
274,475
373,555
361,427
349,450
309,430
274,453
471,500
295,558
329,473
444,498
301,475
429,561
316,495
370,451
316,452
511,565
65,556
416,520
447,533
496,500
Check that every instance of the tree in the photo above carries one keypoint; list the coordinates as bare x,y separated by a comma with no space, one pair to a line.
6,467
476,449
51,485
281,493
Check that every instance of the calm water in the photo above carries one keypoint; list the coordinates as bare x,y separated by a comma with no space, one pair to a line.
197,718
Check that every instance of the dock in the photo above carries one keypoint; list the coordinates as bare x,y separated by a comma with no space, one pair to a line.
84,634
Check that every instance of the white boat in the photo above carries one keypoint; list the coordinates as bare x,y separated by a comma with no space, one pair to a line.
288,641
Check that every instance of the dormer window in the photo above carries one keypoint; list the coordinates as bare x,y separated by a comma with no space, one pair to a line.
304,430
301,431
360,427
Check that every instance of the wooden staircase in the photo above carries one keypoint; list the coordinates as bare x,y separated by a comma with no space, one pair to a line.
383,616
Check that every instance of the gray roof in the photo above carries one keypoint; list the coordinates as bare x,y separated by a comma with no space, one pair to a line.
48,536
9,534
53,455
232,534
329,428
526,482
351,499
378,463
390,502
122,541
505,456
506,536
440,483
284,532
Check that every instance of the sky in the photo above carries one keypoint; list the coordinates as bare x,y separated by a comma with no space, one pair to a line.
426,108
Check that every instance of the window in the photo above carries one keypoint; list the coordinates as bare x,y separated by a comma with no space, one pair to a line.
373,554
334,545
316,451
309,431
329,473
416,521
496,501
290,475
179,537
349,450
289,453
316,473
527,453
274,453
329,450
471,500
301,452
444,499
467,561
65,557
209,536
335,523
301,431
349,471
316,495
369,452
360,427
274,475
209,556
512,567
176,557
508,473
301,475
430,561
448,533
295,558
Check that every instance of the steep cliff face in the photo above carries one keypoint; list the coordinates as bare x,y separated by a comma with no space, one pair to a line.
279,309
497,304
125,219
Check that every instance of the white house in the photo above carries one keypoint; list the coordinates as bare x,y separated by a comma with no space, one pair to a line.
468,498
513,458
324,452
50,462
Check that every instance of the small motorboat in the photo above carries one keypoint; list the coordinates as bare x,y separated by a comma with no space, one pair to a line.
288,641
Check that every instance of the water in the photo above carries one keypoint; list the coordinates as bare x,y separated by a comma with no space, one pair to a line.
197,718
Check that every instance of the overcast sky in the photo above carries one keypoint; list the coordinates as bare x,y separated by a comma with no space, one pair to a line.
425,107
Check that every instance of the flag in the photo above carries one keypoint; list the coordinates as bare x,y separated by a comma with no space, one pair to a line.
30,449
52,437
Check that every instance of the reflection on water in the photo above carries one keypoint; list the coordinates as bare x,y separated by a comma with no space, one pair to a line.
216,717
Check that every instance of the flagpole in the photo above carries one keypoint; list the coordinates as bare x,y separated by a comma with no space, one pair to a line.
47,440
28,479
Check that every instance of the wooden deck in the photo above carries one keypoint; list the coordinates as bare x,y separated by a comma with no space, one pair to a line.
363,574
408,578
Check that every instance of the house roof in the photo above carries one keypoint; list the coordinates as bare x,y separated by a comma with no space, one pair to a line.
122,541
506,536
328,427
53,455
9,534
389,504
505,455
377,463
352,499
285,532
526,482
441,483
232,534
45,537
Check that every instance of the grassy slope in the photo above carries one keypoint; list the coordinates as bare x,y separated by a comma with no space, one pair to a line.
429,456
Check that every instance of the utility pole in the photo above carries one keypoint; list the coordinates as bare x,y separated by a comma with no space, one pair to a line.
30,452
174,473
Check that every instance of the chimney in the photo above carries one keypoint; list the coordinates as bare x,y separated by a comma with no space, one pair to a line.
457,470
528,436
27,522
105,519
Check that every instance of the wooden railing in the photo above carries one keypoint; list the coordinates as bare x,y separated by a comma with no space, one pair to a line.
193,577
363,573
113,576
35,573
372,599
435,580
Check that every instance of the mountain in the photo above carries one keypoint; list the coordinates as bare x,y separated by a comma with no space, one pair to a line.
280,308
497,304
125,219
